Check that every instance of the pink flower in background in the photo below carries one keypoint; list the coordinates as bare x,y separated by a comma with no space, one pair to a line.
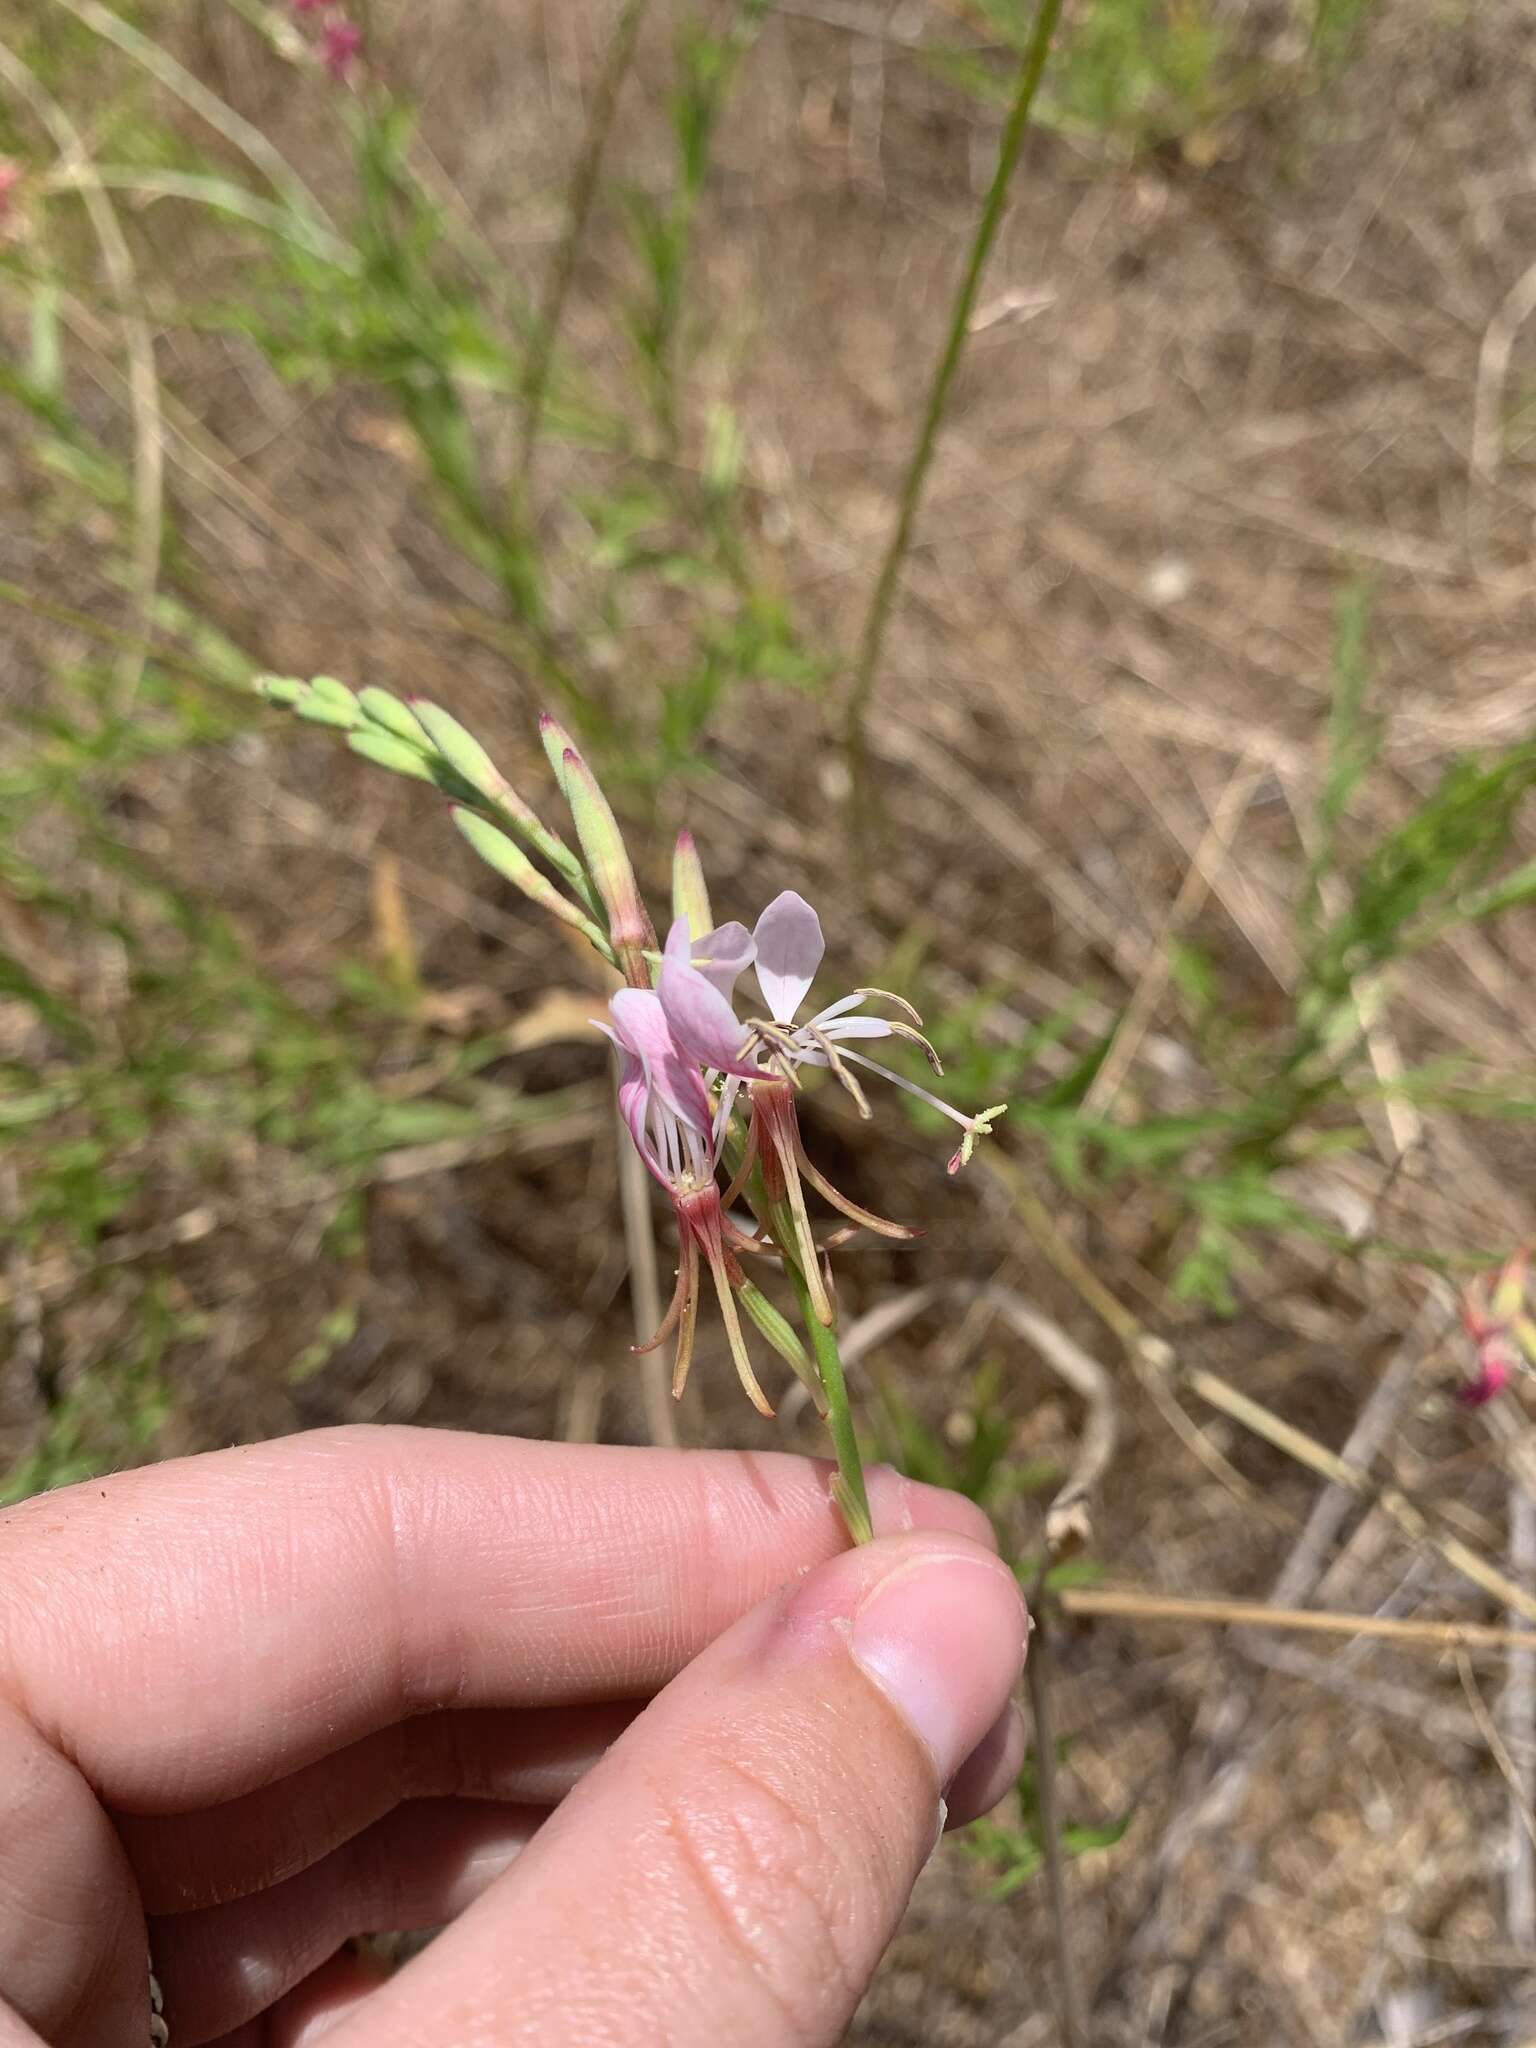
10,179
310,6
1496,1315
1489,1381
341,44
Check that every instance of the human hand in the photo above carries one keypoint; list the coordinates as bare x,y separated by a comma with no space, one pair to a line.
666,1755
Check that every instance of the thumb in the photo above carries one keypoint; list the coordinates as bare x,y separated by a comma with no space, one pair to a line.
735,1866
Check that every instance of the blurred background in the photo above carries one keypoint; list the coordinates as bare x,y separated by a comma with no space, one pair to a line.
574,354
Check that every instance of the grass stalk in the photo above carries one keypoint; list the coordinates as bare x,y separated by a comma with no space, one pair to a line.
583,191
1031,69
645,1289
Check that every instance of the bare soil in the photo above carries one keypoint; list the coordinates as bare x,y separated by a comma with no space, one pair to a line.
1205,389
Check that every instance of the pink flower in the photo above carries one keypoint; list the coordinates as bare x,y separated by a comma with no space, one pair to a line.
1491,1378
789,949
678,1133
310,6
341,44
10,178
765,1055
1496,1315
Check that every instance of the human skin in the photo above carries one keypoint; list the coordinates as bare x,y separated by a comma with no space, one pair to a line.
665,1753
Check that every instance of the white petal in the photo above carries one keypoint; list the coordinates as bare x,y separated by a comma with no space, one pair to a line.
789,950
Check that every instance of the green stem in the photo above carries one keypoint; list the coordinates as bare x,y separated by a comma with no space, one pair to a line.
1031,68
848,1491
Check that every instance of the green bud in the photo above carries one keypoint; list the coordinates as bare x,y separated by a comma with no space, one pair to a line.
462,751
390,716
475,768
387,752
508,859
690,892
557,744
280,689
602,846
329,691
320,711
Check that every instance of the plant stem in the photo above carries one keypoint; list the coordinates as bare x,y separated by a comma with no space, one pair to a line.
1036,1672
645,1289
605,99
852,1500
1031,67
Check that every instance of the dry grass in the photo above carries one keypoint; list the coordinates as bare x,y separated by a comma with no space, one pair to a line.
1198,398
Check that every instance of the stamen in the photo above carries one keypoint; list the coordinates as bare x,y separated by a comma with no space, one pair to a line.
897,1003
839,1069
923,1094
914,1037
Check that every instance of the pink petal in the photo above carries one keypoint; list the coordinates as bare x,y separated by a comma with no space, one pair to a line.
789,950
700,1018
1488,1385
640,1026
721,955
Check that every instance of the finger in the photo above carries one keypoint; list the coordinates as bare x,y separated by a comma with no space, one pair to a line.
327,1997
190,1631
734,1867
420,1866
71,1933
990,1772
528,1756
15,2033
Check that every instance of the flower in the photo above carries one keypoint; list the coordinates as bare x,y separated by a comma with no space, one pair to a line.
10,178
678,1133
1496,1316
786,948
341,44
310,6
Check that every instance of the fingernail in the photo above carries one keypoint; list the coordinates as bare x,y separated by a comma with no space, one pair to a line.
943,1638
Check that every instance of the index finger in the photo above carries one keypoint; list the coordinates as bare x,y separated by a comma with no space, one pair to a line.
192,1630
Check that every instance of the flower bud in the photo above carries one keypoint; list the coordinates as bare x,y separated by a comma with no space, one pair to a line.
479,774
386,752
284,690
602,845
690,892
391,716
508,859
557,744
